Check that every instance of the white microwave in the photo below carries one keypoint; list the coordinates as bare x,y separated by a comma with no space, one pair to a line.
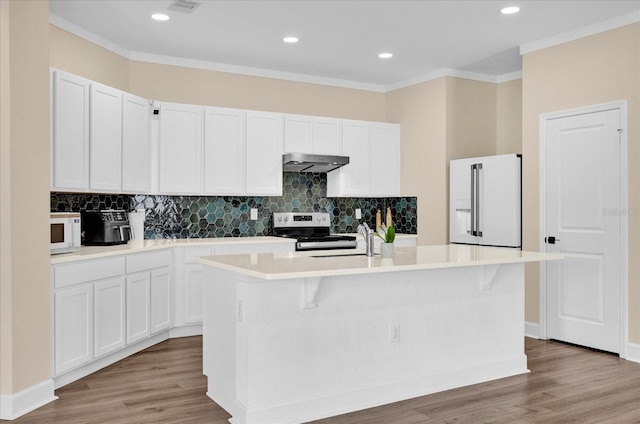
65,232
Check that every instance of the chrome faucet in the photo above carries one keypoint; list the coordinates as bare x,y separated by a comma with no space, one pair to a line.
367,233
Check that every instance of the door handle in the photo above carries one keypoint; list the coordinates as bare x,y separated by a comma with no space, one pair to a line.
551,240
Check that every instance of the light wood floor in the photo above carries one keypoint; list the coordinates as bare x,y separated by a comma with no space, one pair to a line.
164,384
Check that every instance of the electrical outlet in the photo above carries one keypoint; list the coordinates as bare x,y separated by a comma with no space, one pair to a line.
358,213
254,214
394,332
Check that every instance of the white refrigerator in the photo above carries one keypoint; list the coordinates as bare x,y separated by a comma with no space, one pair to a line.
485,201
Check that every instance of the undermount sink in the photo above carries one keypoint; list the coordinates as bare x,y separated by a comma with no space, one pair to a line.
341,254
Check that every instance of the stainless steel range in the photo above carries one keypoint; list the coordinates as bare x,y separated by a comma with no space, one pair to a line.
311,230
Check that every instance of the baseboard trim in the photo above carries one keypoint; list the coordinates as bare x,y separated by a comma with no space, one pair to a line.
18,404
185,331
346,402
532,329
633,352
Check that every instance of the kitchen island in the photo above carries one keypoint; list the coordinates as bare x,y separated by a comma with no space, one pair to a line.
293,337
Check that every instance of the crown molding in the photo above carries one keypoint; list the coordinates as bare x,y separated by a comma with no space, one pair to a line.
88,35
250,71
455,73
583,32
509,77
269,73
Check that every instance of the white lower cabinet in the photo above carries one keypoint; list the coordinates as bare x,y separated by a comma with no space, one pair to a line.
138,307
189,289
160,299
193,274
148,294
106,309
189,309
109,315
73,333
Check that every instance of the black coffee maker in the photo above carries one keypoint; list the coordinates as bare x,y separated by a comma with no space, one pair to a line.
105,228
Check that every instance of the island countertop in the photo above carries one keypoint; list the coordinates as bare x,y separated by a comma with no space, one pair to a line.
279,266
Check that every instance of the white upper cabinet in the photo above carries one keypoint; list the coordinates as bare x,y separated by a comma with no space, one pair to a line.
105,139
308,134
298,134
136,144
353,179
327,136
264,147
70,144
180,164
224,145
385,159
373,149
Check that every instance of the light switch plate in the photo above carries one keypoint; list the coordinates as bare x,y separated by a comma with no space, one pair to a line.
358,213
254,214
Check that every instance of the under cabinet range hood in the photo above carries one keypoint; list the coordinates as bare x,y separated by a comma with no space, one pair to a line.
304,162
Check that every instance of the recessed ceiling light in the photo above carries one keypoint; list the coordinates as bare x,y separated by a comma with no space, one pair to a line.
510,10
290,40
160,17
385,55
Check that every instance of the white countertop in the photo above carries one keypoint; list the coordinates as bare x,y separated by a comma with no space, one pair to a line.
95,252
278,266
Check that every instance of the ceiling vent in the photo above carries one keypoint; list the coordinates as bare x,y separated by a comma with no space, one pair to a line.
185,6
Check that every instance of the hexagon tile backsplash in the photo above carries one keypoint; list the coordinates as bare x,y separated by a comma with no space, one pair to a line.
229,216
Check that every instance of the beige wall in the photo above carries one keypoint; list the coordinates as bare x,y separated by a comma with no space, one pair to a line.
597,69
6,333
509,117
421,112
81,57
211,88
471,118
25,195
444,119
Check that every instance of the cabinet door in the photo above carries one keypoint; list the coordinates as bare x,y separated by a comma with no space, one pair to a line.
385,159
327,136
193,276
70,153
105,138
180,149
224,135
138,326
298,134
264,154
355,178
73,327
160,299
136,144
109,304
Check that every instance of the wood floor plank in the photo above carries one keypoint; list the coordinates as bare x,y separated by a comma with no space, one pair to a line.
164,385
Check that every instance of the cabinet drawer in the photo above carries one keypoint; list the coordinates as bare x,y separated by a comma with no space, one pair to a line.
68,275
193,252
145,261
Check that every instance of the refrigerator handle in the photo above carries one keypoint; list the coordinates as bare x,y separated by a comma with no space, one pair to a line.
477,206
473,200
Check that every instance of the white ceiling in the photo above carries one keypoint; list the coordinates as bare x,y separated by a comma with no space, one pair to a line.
339,40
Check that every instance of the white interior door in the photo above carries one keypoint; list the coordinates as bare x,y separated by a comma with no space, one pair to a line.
583,201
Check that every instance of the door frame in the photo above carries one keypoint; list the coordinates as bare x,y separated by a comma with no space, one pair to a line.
623,208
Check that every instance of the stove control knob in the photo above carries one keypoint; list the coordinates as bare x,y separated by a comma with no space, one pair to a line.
324,218
279,219
286,218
